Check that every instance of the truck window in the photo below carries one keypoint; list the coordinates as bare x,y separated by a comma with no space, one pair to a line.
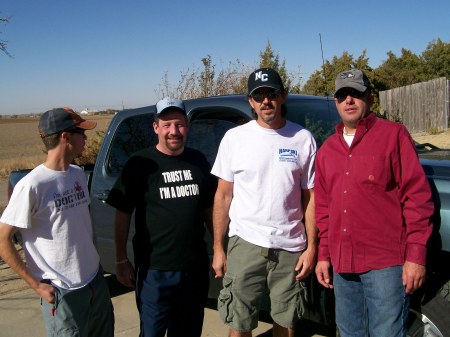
133,134
205,135
317,115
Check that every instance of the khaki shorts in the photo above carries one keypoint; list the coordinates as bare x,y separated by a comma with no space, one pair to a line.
87,311
253,271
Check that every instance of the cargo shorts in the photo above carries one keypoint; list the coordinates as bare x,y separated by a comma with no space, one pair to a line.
253,271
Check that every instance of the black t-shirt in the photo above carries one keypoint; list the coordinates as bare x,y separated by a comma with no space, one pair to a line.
169,195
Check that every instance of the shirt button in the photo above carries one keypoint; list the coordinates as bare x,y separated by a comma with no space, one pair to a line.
345,192
345,229
345,211
350,155
347,173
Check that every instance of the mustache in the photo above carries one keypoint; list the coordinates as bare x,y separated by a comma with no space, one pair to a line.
263,106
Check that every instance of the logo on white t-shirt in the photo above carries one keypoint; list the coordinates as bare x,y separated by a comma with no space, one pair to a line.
69,198
288,155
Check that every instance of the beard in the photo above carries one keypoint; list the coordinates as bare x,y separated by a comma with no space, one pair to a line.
265,115
174,146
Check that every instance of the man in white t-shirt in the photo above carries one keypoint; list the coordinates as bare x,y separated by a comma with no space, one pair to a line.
265,202
50,208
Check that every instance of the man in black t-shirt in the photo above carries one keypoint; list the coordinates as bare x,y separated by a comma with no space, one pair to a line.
171,190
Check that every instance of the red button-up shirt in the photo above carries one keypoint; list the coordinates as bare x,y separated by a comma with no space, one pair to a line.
373,201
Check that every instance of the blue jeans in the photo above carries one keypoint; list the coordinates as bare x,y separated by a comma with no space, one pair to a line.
371,304
172,302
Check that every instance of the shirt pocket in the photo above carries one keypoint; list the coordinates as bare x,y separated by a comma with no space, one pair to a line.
372,172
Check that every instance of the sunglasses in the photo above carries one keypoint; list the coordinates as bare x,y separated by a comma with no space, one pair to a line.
77,130
344,93
260,95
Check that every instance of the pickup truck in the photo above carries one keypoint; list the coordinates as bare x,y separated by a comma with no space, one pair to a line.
131,130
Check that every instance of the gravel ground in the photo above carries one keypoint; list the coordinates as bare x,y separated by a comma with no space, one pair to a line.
441,140
10,282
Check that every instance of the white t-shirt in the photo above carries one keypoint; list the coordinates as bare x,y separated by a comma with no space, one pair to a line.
268,168
51,209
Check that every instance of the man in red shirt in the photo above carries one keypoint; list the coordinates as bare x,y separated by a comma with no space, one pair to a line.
373,210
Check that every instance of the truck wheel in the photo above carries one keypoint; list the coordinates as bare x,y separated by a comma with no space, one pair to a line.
432,318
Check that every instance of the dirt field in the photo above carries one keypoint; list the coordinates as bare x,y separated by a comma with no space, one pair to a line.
441,140
21,146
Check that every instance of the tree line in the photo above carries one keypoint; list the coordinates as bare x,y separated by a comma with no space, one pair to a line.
396,71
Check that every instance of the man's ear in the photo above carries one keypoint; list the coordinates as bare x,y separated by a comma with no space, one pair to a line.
64,135
250,101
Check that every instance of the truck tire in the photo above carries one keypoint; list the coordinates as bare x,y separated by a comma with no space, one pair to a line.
432,317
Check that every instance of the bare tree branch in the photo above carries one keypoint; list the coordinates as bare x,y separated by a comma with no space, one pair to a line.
3,43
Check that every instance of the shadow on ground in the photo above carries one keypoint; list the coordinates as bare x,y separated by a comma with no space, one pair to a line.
304,328
115,287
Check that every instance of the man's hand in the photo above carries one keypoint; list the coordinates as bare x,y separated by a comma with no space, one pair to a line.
323,274
219,263
125,274
306,263
46,292
413,276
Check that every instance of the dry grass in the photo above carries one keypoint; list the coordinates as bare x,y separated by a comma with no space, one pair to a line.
21,146
441,139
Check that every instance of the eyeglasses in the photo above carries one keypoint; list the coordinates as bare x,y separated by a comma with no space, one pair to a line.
77,130
344,93
260,95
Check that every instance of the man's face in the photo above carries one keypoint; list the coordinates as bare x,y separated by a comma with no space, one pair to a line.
171,128
267,104
76,139
352,105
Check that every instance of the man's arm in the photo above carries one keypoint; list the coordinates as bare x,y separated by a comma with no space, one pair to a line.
124,268
307,259
222,203
415,194
207,214
321,203
10,255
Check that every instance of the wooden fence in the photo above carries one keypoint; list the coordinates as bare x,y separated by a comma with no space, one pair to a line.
421,107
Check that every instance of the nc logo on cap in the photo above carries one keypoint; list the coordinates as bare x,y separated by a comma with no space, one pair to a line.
260,76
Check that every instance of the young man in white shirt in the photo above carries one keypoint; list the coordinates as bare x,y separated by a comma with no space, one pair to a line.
50,207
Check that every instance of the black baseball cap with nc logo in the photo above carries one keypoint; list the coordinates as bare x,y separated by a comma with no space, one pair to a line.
264,78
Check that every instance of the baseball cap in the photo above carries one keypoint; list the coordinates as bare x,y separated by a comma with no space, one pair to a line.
264,78
354,78
167,103
62,119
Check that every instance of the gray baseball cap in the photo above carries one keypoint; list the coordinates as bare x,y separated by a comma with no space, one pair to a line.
354,78
167,103
62,119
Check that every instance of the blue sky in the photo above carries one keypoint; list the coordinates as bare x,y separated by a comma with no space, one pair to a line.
100,54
